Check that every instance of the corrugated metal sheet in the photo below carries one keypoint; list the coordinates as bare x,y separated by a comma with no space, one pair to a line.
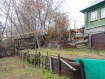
98,41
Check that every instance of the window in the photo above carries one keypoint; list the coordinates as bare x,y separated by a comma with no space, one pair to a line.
103,13
93,15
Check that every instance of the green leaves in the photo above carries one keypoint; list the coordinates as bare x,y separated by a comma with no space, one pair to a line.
31,58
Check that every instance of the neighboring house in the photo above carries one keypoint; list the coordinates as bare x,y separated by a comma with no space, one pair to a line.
95,23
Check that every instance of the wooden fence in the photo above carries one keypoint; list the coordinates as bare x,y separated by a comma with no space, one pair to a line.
56,64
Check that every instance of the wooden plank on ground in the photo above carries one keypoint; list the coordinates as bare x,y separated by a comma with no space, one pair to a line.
72,68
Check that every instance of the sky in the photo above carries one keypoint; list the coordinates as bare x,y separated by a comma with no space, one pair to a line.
73,7
78,5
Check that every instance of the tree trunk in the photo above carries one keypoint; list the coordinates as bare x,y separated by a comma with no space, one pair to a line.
38,41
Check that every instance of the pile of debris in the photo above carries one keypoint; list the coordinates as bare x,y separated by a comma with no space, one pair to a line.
78,39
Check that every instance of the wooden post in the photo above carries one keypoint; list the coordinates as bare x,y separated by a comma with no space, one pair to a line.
27,55
30,61
21,55
59,65
35,60
90,40
76,27
81,68
29,58
39,60
23,60
47,53
45,61
50,63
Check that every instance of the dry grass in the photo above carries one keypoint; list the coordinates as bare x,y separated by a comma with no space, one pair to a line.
70,53
12,68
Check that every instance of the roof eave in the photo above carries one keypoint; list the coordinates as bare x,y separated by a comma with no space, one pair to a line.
83,10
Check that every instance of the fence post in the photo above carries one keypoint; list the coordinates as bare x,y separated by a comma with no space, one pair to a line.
27,55
31,61
39,60
59,65
21,55
81,68
46,59
90,41
47,53
29,58
35,60
23,59
50,61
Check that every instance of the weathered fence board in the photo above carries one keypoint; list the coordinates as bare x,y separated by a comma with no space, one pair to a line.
56,64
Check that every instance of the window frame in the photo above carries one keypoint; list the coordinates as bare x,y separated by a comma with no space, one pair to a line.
91,15
101,11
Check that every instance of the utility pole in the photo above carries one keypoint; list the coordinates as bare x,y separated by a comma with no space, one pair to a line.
69,31
76,27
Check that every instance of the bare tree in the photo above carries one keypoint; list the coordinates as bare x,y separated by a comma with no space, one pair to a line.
33,15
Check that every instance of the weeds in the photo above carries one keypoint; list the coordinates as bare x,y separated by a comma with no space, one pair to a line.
48,75
31,58
74,53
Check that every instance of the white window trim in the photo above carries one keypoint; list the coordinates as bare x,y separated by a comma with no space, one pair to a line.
101,12
91,15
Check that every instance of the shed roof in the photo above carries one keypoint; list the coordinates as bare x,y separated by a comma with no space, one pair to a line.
92,4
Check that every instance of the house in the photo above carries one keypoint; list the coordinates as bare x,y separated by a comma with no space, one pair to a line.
95,24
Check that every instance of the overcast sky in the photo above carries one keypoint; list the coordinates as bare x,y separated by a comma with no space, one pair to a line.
73,8
78,5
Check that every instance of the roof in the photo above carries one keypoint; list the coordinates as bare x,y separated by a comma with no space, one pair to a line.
92,4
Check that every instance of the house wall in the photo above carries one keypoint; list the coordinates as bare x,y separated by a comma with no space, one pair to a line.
99,22
95,30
